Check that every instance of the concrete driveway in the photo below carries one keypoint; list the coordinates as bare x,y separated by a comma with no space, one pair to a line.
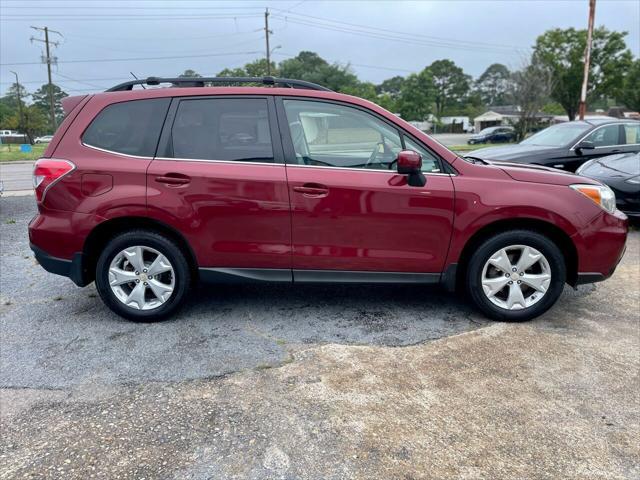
313,382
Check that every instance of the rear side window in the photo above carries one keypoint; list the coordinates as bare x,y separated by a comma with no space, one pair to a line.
132,128
632,134
230,129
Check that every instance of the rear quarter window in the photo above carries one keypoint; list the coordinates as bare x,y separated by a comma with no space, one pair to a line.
131,128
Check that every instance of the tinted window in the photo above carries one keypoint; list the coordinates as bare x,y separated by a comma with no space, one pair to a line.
429,162
235,129
131,127
632,134
339,136
605,136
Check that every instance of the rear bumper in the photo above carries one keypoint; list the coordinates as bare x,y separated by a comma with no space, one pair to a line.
72,269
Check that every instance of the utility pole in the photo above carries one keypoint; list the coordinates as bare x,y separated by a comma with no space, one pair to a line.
266,35
48,60
19,101
582,108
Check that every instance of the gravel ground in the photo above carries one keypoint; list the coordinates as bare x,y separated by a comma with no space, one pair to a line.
313,382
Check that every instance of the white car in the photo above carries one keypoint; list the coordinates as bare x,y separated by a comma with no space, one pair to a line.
44,139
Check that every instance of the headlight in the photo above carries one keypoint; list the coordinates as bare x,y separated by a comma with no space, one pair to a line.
582,167
600,194
634,180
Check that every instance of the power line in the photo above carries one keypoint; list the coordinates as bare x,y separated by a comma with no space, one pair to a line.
137,59
111,17
386,34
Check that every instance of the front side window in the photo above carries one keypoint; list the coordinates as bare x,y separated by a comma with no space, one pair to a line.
632,134
605,136
132,128
229,129
429,162
326,134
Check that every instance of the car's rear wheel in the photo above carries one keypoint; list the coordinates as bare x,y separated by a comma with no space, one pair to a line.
516,275
142,276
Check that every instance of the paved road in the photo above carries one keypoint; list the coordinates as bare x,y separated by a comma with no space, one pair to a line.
16,176
313,382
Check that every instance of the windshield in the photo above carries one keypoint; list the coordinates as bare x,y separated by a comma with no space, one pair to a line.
557,135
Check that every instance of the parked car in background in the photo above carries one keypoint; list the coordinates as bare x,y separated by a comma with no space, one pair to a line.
569,145
621,172
44,139
500,134
149,191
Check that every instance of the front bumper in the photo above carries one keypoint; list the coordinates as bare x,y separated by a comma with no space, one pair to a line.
72,269
600,247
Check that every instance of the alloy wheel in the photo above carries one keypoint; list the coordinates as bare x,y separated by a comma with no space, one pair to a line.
516,277
141,277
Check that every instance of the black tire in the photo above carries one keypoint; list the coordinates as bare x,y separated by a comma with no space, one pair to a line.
516,237
160,243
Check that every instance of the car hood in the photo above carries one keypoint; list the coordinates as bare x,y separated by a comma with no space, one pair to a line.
512,153
539,174
622,165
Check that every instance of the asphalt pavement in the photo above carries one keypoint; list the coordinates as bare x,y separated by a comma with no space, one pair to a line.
313,382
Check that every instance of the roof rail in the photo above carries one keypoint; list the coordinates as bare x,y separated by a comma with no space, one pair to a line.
202,81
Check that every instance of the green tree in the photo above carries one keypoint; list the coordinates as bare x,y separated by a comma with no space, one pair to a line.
562,52
416,96
451,85
530,92
493,84
189,74
41,100
392,86
311,67
233,72
14,92
258,68
366,90
629,92
34,121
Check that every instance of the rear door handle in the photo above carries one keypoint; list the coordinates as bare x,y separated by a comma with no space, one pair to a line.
314,190
173,179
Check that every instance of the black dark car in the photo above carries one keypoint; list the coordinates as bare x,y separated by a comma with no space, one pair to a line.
569,145
621,172
500,134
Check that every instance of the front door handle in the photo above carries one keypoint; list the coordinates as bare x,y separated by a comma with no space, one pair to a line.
173,179
313,190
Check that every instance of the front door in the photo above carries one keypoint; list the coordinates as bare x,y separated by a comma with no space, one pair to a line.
351,211
219,179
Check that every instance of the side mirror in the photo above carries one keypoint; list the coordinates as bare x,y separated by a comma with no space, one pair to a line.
410,163
585,145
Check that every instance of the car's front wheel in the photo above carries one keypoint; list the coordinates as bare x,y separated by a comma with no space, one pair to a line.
142,276
516,275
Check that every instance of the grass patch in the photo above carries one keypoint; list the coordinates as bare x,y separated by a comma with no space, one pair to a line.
12,153
11,221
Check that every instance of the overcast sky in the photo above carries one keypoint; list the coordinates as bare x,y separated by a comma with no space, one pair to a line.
379,39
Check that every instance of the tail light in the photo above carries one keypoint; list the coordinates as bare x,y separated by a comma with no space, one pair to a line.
46,172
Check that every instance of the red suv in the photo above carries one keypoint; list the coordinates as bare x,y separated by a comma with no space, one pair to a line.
149,191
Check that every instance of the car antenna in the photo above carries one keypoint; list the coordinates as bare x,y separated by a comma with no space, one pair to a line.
134,76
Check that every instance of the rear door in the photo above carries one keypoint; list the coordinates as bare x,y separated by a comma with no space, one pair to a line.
351,211
219,179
